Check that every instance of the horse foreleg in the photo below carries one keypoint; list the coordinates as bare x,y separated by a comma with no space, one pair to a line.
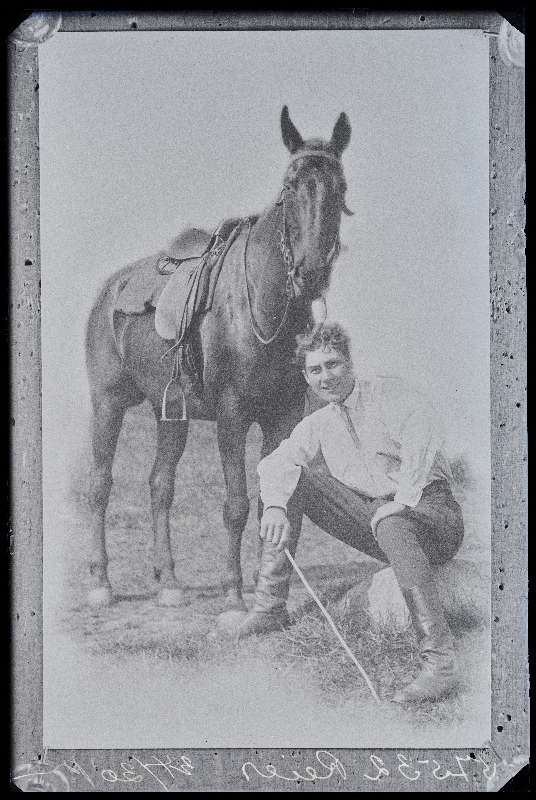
171,440
232,432
107,420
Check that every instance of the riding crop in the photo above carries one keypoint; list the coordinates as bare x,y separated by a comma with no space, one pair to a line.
333,626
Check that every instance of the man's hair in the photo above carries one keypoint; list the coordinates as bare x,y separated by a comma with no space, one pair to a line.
321,338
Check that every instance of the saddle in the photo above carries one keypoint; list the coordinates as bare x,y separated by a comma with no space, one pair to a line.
179,272
192,281
179,285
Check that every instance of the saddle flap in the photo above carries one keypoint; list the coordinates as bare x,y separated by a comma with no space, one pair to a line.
175,297
189,292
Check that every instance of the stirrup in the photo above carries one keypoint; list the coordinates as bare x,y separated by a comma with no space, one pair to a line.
163,416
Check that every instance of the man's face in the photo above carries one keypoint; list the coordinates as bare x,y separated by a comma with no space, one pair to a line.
329,374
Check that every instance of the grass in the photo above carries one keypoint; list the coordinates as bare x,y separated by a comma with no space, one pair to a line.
389,656
186,636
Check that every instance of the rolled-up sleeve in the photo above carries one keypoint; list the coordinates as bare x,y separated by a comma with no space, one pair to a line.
421,439
280,471
415,425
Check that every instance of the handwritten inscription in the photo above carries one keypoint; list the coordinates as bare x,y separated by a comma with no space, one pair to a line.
405,768
153,767
166,773
134,771
329,766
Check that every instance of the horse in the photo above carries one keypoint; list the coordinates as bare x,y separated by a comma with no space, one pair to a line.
280,263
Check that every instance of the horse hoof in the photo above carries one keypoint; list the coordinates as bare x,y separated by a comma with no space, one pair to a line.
100,596
171,597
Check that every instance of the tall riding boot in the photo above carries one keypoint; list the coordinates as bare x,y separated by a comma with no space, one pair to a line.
269,612
438,675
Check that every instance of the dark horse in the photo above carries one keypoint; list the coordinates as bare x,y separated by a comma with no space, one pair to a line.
276,267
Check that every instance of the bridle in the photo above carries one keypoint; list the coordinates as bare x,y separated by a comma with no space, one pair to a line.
285,247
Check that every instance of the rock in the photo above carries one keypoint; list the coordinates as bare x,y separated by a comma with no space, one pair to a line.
331,583
385,603
463,589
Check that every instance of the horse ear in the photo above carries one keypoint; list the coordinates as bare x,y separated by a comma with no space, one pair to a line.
341,134
291,136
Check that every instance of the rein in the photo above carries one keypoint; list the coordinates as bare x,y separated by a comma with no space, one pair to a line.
290,294
288,256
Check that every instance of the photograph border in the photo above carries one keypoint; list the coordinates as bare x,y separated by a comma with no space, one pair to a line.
487,769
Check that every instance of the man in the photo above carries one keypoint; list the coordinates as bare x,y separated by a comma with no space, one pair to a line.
385,492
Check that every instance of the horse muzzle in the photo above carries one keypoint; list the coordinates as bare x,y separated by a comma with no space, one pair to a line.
312,286
313,278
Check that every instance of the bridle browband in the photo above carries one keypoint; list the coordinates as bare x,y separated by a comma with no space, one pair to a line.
329,157
317,153
285,247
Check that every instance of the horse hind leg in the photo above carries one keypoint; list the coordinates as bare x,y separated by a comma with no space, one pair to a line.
171,441
108,411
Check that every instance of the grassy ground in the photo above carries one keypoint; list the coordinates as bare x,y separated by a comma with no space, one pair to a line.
136,626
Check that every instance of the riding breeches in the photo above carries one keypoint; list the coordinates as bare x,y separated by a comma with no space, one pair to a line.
411,541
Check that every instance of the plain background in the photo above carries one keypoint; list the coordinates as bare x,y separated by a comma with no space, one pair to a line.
143,134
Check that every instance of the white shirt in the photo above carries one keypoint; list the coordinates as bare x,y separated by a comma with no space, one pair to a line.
401,448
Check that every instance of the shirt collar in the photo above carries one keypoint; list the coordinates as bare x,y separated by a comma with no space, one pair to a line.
352,399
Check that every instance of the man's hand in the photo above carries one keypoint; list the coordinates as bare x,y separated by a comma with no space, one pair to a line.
275,526
387,510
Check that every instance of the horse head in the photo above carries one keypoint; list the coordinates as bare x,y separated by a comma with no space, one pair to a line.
312,202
